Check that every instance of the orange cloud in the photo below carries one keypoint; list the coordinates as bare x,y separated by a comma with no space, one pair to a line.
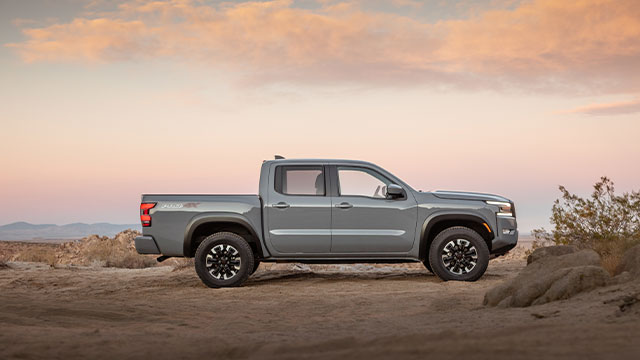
545,43
546,35
93,40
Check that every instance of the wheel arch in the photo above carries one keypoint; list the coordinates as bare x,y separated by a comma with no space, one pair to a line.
436,224
204,225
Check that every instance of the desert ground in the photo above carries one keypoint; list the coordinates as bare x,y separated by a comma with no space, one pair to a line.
298,311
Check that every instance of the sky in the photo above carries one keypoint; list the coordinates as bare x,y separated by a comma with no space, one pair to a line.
101,101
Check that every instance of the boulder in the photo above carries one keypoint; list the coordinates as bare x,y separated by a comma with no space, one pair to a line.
623,277
550,278
546,251
576,280
630,262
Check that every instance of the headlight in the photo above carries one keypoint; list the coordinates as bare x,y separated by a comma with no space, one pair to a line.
504,208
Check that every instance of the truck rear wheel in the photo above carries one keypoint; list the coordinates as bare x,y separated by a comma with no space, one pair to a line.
256,263
224,259
459,253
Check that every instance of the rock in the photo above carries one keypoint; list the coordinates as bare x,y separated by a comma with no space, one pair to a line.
546,251
535,287
630,262
623,277
550,278
552,263
102,250
577,280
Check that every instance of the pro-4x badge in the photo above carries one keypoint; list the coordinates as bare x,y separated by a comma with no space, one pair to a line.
171,206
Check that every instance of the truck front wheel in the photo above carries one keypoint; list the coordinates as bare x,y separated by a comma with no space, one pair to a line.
224,259
459,253
427,265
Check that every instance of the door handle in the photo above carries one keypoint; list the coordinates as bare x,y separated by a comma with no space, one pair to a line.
281,205
344,205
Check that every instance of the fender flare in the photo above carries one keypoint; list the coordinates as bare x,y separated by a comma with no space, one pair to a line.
217,217
432,220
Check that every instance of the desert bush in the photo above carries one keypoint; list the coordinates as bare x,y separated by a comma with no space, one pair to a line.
47,256
4,258
99,249
131,261
183,263
611,262
605,222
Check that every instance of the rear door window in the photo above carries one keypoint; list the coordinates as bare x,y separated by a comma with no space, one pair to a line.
300,180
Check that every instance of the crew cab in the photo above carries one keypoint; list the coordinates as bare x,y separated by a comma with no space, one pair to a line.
328,211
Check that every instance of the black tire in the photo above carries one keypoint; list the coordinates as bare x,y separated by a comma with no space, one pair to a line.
427,265
221,270
256,263
464,247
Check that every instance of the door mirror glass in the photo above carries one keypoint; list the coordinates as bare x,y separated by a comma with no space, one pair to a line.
394,191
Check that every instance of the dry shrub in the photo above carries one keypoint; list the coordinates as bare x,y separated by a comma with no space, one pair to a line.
605,222
537,243
3,261
611,263
131,261
182,263
47,256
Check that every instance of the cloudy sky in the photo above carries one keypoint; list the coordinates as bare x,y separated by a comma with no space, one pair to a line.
101,101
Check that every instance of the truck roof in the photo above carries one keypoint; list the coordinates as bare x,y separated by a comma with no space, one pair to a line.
321,161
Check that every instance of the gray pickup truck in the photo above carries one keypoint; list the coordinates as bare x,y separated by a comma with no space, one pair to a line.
328,211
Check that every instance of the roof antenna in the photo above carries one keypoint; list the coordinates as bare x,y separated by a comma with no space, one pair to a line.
279,157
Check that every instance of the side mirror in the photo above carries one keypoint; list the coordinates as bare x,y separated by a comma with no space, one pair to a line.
394,191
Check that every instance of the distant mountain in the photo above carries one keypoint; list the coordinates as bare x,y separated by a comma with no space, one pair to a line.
26,231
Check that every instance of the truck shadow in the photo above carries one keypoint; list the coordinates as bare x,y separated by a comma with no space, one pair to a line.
270,276
188,278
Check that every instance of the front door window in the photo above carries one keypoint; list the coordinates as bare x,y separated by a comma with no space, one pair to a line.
361,182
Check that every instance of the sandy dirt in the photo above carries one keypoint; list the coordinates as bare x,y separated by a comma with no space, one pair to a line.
361,312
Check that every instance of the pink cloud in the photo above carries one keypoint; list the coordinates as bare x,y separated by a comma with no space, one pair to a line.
578,45
614,108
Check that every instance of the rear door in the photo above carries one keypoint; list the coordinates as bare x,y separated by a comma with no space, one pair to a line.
299,210
364,220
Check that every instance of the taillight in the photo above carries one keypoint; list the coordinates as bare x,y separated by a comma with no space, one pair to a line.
145,218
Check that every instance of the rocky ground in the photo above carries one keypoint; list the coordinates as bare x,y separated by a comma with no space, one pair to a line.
359,312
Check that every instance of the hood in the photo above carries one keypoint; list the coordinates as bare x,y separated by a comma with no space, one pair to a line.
463,195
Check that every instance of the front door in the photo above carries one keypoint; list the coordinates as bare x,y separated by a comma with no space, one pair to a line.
365,220
299,210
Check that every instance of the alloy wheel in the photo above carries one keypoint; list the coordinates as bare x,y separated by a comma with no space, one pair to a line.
223,261
459,256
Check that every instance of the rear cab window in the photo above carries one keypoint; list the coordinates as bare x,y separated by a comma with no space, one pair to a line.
304,180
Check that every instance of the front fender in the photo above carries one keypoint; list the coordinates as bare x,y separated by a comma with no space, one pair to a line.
458,214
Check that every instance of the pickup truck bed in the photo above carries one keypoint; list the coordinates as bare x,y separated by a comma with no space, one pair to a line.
172,212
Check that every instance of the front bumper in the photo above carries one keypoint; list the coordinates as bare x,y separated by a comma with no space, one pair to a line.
506,237
146,245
